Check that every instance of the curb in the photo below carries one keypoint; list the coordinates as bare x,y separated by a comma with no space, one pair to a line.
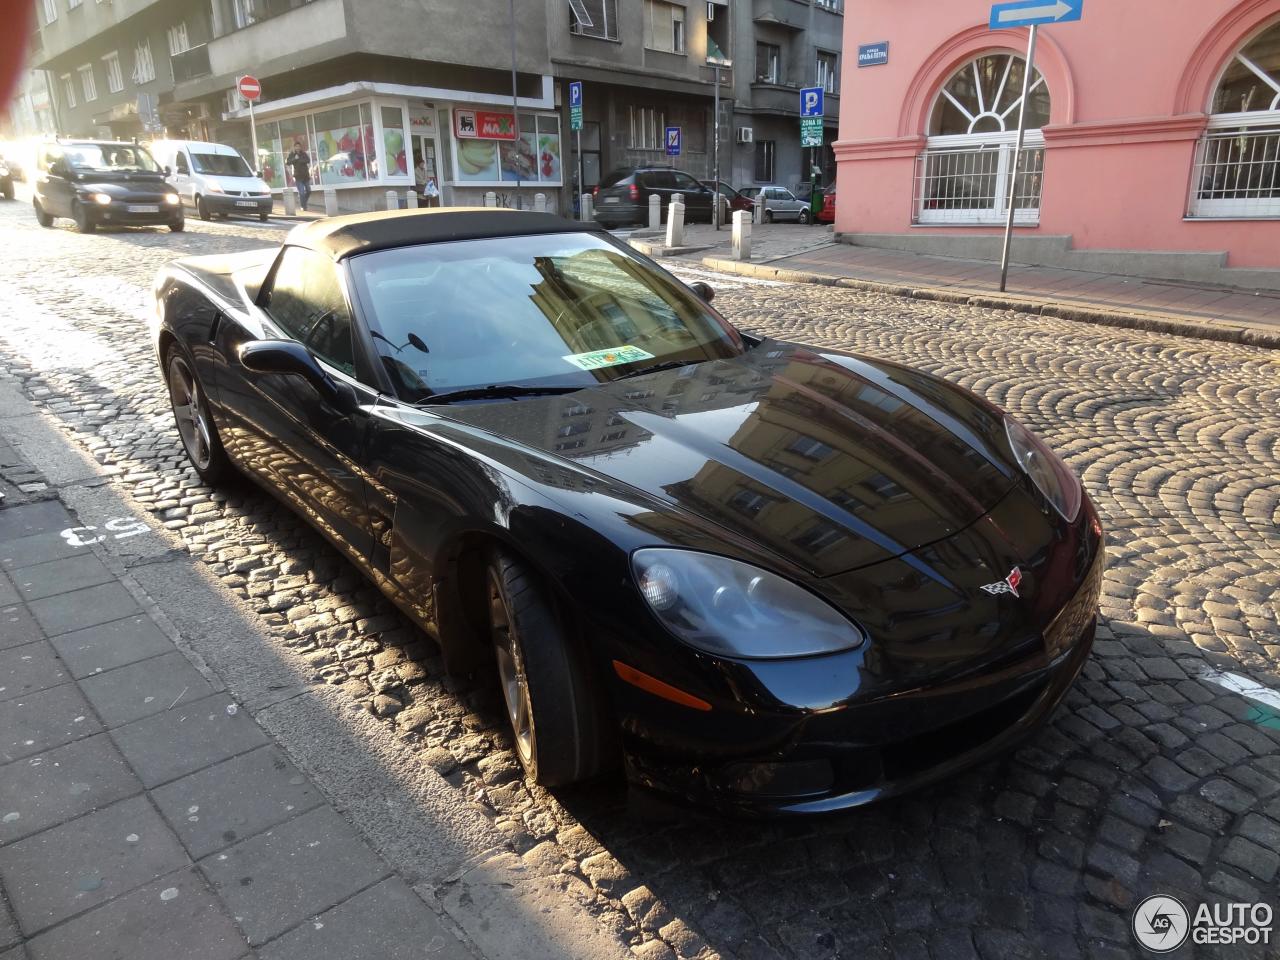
1218,330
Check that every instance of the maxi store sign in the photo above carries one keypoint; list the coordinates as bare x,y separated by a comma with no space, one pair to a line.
484,125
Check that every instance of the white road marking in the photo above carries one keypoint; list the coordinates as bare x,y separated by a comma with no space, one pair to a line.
1247,688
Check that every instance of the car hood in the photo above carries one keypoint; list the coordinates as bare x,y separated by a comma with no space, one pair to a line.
238,184
121,188
832,462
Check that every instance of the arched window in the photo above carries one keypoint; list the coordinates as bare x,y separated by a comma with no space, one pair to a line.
1238,160
963,175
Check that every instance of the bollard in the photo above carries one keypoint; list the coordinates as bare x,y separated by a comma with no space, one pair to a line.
586,208
290,199
540,202
655,212
330,202
741,235
675,221
411,197
490,199
757,208
393,202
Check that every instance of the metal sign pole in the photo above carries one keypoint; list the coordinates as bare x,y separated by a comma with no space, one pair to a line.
716,154
253,132
582,182
515,103
1017,156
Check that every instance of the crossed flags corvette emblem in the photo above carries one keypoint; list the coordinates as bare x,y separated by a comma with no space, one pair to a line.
1008,585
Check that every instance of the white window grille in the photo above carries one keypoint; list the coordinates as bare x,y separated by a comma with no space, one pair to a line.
647,128
68,90
967,181
178,42
86,82
1236,175
115,77
144,68
963,176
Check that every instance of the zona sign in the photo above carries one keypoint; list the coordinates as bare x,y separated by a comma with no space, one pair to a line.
249,87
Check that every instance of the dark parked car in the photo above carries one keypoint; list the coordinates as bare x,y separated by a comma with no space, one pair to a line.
735,199
6,180
756,574
103,183
623,196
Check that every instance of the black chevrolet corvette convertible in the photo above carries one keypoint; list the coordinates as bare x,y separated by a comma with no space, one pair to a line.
757,575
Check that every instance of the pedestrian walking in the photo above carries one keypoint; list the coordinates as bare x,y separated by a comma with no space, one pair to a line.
299,164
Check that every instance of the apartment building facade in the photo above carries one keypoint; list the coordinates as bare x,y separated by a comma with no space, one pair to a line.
371,89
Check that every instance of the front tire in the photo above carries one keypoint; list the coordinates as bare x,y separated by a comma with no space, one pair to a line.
202,208
768,216
804,216
42,218
7,189
556,720
80,214
177,226
199,434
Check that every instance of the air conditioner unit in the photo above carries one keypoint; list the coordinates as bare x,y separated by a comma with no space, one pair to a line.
746,135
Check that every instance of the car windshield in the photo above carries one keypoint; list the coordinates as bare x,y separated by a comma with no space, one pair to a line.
220,164
749,192
121,157
552,310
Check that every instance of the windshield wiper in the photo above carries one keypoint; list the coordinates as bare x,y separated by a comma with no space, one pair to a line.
655,368
499,391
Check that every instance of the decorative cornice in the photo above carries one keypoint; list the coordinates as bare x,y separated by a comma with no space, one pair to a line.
1097,133
885,149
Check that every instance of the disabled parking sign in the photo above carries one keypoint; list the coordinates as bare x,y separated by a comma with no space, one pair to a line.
673,141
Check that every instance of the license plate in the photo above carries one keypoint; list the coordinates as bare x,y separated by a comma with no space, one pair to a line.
612,200
144,208
246,203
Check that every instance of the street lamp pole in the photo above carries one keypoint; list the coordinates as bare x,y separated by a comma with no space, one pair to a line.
515,100
716,152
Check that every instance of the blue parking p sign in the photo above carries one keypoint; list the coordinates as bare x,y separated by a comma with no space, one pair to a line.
575,93
811,102
673,141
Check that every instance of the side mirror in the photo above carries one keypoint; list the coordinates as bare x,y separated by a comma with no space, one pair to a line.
292,358
706,293
167,171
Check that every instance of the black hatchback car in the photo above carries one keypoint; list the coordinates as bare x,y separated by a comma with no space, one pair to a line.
103,183
623,196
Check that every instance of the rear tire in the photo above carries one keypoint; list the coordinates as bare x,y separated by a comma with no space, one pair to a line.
768,216
556,721
42,218
202,208
81,216
195,424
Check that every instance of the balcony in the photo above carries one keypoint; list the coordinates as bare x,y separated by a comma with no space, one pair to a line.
781,13
299,28
190,64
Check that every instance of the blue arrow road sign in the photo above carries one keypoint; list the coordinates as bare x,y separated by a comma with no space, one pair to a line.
1029,13
811,104
575,93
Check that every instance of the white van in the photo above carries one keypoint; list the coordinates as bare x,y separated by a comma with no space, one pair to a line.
213,178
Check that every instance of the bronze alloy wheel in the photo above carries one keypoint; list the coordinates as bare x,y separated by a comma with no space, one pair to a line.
512,675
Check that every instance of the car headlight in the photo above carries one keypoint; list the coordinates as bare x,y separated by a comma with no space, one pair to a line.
171,198
732,609
102,198
1051,476
213,188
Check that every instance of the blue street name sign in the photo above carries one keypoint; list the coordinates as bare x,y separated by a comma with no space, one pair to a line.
1030,13
811,102
873,54
673,141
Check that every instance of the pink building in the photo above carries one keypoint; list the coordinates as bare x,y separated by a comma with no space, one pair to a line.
1153,144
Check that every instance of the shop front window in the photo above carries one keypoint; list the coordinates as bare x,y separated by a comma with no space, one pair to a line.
534,157
341,154
964,175
1237,164
394,149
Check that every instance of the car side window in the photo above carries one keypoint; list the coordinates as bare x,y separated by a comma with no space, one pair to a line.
306,302
687,183
785,195
180,163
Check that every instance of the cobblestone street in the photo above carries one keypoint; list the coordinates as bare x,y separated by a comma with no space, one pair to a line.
1157,775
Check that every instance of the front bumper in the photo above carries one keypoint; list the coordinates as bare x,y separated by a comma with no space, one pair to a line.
119,214
247,206
855,753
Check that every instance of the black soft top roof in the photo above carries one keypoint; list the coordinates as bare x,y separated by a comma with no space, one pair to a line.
343,236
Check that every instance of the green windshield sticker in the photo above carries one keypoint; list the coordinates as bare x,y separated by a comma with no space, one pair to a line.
608,358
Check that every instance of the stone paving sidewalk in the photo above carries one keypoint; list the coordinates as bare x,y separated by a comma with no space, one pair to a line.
1165,306
143,813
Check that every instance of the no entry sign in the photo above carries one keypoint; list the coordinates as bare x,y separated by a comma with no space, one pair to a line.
249,88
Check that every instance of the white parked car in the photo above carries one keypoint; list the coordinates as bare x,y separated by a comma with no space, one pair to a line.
779,204
214,178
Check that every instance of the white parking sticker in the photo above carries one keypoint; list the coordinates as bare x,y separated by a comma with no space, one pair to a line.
121,528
